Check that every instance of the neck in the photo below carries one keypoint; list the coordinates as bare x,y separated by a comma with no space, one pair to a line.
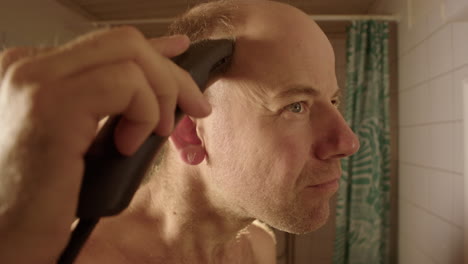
172,215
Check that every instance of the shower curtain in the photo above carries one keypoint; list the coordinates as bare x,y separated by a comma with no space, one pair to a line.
363,204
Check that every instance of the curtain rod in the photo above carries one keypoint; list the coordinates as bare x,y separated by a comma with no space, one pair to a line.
314,17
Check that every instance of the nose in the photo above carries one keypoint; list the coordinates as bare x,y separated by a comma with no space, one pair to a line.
335,139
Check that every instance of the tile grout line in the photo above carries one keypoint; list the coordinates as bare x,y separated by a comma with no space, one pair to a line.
420,42
447,221
454,121
432,168
413,86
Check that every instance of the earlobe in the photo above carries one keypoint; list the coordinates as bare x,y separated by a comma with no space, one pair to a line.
186,141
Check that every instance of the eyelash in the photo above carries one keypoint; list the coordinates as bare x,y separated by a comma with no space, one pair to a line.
336,102
303,105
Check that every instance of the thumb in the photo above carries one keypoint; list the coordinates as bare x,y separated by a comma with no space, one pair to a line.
171,46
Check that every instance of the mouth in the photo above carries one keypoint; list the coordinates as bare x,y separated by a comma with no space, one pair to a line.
331,185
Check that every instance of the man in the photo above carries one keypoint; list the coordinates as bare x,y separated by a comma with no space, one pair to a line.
269,150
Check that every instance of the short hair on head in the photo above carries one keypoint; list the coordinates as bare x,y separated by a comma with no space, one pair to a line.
207,20
200,22
215,18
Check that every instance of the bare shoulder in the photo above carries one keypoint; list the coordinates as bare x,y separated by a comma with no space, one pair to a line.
263,242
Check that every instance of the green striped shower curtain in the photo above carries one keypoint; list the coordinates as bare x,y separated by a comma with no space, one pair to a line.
363,206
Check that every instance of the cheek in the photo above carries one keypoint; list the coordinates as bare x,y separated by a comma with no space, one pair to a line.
289,153
242,144
276,152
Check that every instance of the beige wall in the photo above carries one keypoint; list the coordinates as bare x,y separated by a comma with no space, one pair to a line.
43,22
433,59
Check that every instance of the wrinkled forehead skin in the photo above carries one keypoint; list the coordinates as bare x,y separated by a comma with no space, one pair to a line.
278,45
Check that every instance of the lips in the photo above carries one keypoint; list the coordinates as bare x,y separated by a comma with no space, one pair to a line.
326,188
332,181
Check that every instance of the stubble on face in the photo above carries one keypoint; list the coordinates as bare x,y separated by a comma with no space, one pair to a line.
254,173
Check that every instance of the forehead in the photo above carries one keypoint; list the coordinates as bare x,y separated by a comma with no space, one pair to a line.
281,47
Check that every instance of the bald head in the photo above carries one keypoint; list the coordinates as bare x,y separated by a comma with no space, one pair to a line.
274,136
268,33
275,37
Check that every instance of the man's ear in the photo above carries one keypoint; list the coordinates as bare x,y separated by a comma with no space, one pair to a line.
187,142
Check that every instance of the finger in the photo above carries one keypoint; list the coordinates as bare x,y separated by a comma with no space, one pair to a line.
170,46
95,50
100,48
126,92
195,103
167,106
10,56
190,99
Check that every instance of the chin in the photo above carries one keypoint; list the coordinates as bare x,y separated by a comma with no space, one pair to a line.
302,221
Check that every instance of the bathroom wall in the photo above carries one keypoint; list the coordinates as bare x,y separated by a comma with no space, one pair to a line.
432,60
44,22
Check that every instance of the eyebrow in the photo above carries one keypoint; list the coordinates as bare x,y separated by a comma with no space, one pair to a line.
302,90
338,93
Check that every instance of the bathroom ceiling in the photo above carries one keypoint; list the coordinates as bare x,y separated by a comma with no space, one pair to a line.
112,10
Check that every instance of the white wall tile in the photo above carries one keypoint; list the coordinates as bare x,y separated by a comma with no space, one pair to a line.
405,104
414,67
419,63
458,144
458,77
404,210
415,145
421,146
442,144
440,51
431,200
460,40
458,200
440,240
403,35
404,143
435,17
418,31
441,93
440,194
414,225
404,72
414,184
408,253
416,25
415,105
456,9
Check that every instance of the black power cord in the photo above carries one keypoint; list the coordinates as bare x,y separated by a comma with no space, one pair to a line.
78,237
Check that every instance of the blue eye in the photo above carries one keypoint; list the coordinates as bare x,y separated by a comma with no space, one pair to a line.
296,107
